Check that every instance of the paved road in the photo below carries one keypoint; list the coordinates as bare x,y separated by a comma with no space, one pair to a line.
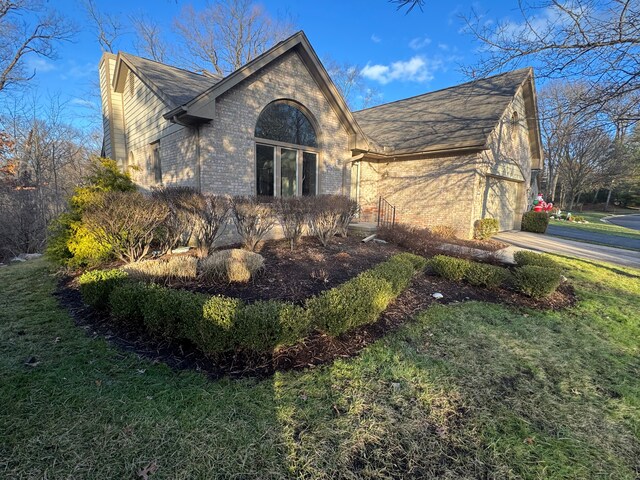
629,221
561,246
596,237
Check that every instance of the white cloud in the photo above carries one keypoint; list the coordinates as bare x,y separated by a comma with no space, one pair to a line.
416,69
39,64
82,102
73,70
375,38
419,43
443,46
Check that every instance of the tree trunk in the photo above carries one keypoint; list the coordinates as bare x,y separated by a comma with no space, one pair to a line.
595,197
606,205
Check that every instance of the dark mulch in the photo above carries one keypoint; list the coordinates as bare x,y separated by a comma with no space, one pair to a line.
304,272
315,350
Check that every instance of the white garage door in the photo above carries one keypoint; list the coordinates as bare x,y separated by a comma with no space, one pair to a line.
500,201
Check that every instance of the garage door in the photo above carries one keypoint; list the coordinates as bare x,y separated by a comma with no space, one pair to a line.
500,201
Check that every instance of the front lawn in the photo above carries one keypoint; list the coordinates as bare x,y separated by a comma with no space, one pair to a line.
595,225
468,390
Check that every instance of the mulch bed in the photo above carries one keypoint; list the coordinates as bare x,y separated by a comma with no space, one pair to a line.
317,349
295,275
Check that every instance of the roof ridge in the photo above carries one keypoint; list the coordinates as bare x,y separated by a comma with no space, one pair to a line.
441,89
172,66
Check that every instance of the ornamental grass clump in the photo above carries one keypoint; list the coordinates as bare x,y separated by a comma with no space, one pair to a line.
161,270
233,265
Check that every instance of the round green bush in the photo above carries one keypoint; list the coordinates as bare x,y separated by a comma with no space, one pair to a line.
535,281
96,286
483,275
212,333
526,257
450,268
485,228
536,222
125,303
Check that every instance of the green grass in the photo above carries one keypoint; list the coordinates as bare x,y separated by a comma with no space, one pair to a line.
468,390
595,225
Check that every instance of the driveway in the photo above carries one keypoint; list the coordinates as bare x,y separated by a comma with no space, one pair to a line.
561,246
596,237
629,221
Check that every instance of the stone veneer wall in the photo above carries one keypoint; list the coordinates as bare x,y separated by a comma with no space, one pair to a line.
426,192
228,144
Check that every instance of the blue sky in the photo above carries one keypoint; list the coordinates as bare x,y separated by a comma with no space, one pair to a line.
401,54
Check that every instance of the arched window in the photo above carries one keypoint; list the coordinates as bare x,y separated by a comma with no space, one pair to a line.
286,151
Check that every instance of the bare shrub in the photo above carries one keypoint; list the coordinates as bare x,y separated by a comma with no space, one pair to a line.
444,231
178,226
253,218
126,221
348,208
211,215
292,214
173,268
233,265
324,217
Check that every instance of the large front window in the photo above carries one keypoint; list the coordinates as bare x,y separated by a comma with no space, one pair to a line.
286,152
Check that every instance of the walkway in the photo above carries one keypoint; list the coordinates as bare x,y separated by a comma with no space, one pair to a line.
561,246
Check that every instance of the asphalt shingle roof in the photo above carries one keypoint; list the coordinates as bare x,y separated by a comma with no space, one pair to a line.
459,116
177,85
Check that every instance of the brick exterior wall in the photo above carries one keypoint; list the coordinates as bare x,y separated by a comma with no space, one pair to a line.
228,145
426,192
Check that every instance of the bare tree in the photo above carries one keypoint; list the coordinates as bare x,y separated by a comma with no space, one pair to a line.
408,4
227,34
26,29
597,41
108,27
348,79
149,41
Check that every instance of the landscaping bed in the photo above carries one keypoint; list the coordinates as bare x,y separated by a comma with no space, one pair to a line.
294,275
317,348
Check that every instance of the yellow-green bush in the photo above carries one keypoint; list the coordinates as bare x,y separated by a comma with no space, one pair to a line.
212,332
485,228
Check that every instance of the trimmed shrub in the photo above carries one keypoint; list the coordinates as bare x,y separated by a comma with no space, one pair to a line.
212,332
264,325
254,218
397,271
233,265
125,303
178,226
182,267
96,286
417,262
356,302
169,314
525,257
483,275
485,228
536,281
450,268
536,222
211,214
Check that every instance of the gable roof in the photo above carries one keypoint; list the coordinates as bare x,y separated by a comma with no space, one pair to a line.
459,117
197,106
175,86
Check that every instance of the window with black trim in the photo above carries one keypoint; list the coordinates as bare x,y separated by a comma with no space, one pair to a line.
286,152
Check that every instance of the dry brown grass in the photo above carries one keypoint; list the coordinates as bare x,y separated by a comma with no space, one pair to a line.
174,268
233,265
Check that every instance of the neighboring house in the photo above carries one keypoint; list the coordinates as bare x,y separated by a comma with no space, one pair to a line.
278,126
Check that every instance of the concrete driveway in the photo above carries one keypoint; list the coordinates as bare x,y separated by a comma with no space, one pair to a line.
561,246
610,239
629,221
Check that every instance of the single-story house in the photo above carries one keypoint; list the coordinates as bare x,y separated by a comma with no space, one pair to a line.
279,126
